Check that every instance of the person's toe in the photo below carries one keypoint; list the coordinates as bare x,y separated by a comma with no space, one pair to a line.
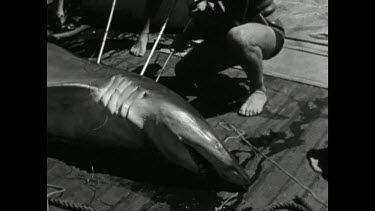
242,110
132,50
255,111
248,112
136,52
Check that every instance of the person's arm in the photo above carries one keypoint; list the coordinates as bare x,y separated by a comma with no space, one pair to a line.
202,5
184,38
238,11
269,9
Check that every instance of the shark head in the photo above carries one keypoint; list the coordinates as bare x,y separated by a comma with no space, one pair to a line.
189,142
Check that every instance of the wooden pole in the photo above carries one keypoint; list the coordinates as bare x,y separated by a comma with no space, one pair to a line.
171,53
158,38
106,32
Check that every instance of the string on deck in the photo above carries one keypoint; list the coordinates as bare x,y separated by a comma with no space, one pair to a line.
241,134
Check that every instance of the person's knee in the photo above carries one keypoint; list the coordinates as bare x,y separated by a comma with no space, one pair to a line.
236,36
240,39
241,36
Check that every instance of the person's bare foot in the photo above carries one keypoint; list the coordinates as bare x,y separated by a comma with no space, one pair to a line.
254,104
139,48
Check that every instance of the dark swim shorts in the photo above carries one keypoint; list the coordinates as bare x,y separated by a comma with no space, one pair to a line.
278,28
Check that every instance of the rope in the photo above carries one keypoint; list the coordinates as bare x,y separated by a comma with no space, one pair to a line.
289,205
64,203
226,201
231,137
70,205
275,163
160,72
302,202
60,190
298,204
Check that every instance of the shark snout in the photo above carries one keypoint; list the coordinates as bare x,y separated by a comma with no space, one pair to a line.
226,166
237,175
204,154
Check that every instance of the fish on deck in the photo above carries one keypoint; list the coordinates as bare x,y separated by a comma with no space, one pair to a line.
100,107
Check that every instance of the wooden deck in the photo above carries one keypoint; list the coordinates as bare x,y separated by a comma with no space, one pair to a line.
295,121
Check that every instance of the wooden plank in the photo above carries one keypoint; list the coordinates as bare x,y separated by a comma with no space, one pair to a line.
264,186
58,172
139,199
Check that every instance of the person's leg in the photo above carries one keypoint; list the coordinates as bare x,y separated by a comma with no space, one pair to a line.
253,42
140,47
201,63
60,12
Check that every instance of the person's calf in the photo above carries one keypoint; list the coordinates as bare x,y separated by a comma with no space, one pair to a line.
257,99
250,54
60,13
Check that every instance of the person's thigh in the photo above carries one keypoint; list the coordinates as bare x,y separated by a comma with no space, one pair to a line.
253,35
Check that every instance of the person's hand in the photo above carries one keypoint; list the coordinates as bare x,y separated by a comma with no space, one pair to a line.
202,6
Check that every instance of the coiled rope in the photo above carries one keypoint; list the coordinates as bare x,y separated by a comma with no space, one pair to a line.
298,204
65,204
70,205
288,205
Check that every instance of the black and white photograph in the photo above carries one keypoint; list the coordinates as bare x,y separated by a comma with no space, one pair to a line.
201,105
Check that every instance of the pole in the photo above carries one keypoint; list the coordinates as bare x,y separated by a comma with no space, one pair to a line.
106,32
158,38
